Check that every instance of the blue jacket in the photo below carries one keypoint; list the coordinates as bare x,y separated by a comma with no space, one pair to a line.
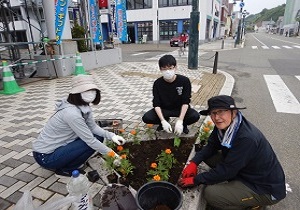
250,160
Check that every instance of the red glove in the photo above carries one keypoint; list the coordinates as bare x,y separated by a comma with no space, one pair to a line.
186,182
190,170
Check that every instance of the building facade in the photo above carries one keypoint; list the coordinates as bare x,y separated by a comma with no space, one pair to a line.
291,17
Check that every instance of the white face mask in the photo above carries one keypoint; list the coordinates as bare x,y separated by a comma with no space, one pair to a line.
88,96
168,74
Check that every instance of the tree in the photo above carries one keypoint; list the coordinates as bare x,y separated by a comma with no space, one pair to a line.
79,32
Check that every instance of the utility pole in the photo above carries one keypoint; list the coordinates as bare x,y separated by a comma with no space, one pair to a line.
238,36
194,36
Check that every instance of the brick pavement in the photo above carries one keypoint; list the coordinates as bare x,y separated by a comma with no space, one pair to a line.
126,94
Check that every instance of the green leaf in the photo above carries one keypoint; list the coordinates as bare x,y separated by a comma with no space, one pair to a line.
177,141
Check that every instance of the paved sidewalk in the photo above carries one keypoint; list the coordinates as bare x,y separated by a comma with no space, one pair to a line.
126,90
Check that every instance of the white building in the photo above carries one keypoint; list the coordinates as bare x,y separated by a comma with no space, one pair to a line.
160,20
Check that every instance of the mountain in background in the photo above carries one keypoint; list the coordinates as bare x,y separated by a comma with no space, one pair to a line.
267,14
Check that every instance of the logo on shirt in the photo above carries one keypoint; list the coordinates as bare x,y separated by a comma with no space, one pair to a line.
179,90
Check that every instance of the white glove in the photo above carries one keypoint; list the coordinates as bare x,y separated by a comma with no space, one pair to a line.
119,140
178,127
166,126
117,161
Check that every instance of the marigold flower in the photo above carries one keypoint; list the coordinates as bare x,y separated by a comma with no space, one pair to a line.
149,125
122,130
209,123
153,165
156,178
168,151
120,148
111,154
123,156
133,132
206,129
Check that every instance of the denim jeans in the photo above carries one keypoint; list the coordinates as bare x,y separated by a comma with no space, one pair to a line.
66,158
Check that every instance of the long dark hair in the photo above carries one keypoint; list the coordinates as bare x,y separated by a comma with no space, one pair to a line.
76,99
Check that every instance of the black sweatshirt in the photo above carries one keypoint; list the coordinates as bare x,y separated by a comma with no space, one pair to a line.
250,160
172,95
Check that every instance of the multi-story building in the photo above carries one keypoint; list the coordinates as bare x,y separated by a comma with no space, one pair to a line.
160,20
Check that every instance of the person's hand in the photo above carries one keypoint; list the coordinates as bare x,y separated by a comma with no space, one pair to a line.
178,127
186,182
117,160
190,170
166,126
119,140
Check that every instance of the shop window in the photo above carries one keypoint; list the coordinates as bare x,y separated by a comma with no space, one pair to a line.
167,29
145,28
138,4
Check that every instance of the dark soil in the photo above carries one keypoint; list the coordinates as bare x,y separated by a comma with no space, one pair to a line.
141,156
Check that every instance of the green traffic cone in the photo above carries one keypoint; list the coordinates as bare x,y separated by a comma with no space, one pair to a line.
10,85
79,67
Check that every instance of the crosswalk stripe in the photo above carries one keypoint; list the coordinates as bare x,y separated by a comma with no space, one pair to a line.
298,77
297,46
254,47
139,53
283,99
265,47
276,47
287,47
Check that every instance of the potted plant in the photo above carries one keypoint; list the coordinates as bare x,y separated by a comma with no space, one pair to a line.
110,163
204,133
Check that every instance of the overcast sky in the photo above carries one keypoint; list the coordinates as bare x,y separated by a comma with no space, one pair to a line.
256,6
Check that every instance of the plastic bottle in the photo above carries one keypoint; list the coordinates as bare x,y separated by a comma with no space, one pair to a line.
78,186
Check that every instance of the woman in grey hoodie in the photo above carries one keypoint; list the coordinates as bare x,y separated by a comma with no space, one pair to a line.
71,135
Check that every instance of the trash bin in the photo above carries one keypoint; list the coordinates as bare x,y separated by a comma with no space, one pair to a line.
159,195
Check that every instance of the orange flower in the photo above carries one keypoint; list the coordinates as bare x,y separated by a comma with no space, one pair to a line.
156,178
168,151
133,132
209,123
123,156
120,148
206,129
149,125
111,154
153,165
122,130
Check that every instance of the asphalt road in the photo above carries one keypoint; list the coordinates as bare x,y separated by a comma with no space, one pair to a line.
270,56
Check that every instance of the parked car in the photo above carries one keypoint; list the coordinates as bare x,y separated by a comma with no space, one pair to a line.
174,41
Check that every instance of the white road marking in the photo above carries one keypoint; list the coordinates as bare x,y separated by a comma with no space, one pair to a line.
287,47
276,47
297,46
139,53
254,47
265,47
298,77
283,99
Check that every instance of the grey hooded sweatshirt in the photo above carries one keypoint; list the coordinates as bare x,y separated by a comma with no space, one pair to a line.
67,124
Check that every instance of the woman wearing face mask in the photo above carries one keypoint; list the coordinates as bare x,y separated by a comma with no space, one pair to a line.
71,135
171,98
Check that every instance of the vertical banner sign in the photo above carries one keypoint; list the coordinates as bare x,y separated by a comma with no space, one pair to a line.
121,20
94,22
112,15
61,7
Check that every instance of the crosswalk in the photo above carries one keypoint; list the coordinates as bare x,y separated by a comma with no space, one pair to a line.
175,53
283,99
265,47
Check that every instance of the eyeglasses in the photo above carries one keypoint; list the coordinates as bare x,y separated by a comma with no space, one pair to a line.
167,68
220,113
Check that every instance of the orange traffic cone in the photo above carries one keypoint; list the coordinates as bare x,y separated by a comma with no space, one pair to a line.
10,85
79,67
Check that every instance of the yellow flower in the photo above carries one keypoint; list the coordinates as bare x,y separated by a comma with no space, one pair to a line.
206,129
120,148
121,130
168,151
111,154
156,178
153,165
123,156
149,125
209,123
133,132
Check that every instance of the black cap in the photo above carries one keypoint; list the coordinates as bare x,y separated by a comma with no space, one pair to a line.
220,102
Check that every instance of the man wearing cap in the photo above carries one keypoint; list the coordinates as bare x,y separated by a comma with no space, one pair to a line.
71,135
245,170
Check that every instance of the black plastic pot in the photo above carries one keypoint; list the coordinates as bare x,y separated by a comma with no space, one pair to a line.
154,194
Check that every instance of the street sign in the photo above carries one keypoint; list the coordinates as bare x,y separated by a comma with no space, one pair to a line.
242,4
